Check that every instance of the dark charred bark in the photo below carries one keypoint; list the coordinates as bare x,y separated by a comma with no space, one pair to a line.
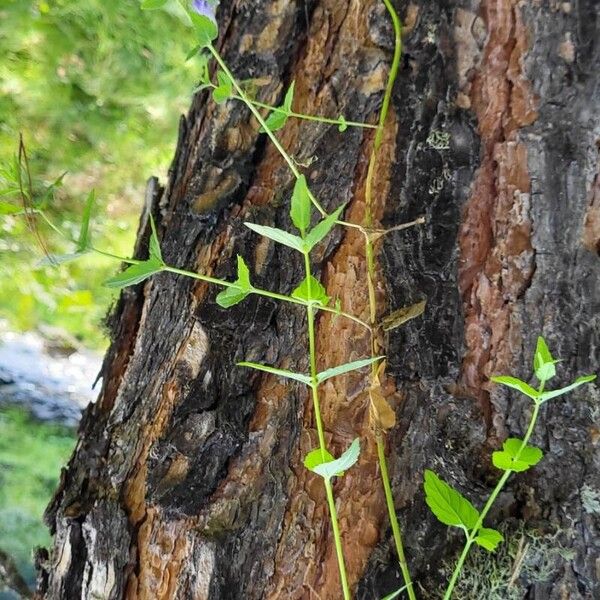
187,481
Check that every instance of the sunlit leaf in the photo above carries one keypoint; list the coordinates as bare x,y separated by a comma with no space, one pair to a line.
543,362
517,384
330,469
515,458
279,372
279,236
135,274
488,538
206,29
313,291
346,368
300,209
554,393
448,505
316,457
153,4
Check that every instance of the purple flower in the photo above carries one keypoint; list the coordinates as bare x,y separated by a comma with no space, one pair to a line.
205,8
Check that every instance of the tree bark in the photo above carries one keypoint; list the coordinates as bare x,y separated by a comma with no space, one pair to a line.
187,480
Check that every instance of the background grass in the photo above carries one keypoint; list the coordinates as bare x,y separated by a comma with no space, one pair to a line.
96,88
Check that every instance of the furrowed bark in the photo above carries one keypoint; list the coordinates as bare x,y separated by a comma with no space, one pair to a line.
187,481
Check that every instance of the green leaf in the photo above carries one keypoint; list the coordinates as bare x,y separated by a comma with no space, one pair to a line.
224,89
543,362
316,293
346,368
279,372
315,458
83,242
342,124
554,393
54,260
513,458
241,288
279,236
278,118
135,274
489,538
206,29
395,594
42,201
9,209
153,4
330,469
321,229
154,245
448,505
517,384
300,209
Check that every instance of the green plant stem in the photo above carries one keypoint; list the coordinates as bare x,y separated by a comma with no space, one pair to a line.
370,260
295,115
288,159
471,535
321,433
389,499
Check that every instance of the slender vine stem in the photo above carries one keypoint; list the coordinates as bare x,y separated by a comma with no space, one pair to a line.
371,273
471,535
321,433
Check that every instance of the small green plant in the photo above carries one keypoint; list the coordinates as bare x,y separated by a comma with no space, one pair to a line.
516,456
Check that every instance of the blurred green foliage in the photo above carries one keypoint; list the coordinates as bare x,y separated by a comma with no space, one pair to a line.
96,88
31,455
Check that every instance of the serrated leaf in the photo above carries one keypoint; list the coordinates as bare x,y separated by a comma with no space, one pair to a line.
153,4
330,469
279,372
543,362
517,384
279,236
135,274
316,457
514,458
9,209
300,208
342,124
346,368
489,538
554,393
205,28
224,89
448,505
321,229
314,292
239,290
402,315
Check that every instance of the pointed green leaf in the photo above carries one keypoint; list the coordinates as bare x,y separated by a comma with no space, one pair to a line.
321,229
342,124
346,368
517,384
330,469
135,274
84,233
278,235
241,288
543,362
315,457
153,4
395,594
154,245
448,505
315,292
554,393
488,538
224,89
300,209
514,458
278,118
279,372
53,260
206,29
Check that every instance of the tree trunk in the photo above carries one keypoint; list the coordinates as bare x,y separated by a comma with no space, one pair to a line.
187,481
